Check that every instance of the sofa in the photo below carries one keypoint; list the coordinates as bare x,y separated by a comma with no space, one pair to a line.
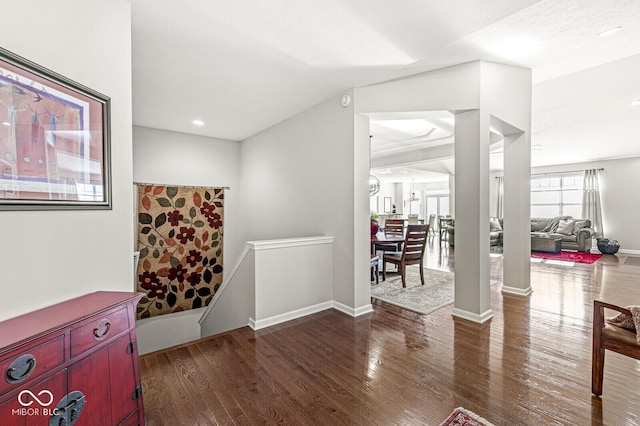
575,234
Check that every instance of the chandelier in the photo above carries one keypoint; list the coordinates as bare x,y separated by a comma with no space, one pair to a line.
374,185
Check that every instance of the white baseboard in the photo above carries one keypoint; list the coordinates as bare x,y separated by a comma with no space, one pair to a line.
626,251
594,250
471,316
517,291
288,316
351,311
308,310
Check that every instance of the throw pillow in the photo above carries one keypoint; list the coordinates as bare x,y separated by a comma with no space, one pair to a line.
623,320
538,224
565,226
494,224
580,224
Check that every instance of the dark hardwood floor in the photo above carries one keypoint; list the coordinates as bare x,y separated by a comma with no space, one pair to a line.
530,365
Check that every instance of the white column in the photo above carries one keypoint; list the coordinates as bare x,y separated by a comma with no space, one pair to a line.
517,215
472,293
362,232
452,194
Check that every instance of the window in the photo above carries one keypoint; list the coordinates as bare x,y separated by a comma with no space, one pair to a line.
437,202
556,196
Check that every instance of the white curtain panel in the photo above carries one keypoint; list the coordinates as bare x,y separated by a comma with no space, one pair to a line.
591,208
500,204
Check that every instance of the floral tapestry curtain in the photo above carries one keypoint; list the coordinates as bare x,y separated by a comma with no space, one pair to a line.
180,242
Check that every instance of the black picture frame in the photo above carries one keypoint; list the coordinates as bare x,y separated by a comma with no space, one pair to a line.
55,140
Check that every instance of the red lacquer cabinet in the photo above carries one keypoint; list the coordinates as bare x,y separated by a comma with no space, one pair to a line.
73,363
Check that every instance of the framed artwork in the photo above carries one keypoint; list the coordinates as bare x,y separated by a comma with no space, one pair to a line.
387,204
54,140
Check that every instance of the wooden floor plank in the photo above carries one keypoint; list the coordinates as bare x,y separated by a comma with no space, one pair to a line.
530,365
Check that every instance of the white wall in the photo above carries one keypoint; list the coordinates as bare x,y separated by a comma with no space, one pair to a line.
620,206
387,189
51,256
161,156
298,268
235,301
298,181
166,157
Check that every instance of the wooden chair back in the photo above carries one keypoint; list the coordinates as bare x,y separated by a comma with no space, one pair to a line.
611,337
394,227
414,244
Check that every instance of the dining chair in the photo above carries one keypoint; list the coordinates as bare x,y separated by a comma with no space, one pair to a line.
375,269
607,336
443,228
392,227
432,225
412,253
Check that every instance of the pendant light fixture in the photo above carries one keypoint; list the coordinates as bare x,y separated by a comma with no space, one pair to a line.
413,193
374,182
374,185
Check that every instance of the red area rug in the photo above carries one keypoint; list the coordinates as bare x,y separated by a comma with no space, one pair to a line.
463,417
569,256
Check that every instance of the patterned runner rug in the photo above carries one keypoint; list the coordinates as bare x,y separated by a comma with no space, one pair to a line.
437,292
463,417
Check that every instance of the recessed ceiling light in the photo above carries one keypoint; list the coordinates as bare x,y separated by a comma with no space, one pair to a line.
635,103
609,31
198,123
404,172
6,123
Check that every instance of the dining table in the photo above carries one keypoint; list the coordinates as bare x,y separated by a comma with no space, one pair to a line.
381,238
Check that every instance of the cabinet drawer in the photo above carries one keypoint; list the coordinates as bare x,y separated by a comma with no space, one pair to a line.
36,405
24,365
98,330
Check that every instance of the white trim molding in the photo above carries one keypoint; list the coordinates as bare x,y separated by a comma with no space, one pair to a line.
354,312
288,242
626,251
517,291
288,316
308,310
471,316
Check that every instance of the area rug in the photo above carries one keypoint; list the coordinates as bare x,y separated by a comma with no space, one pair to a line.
437,292
569,256
565,256
463,417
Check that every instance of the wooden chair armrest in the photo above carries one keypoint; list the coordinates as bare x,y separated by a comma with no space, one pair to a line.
600,305
598,315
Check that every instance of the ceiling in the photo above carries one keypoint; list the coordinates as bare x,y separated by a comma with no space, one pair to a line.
243,66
